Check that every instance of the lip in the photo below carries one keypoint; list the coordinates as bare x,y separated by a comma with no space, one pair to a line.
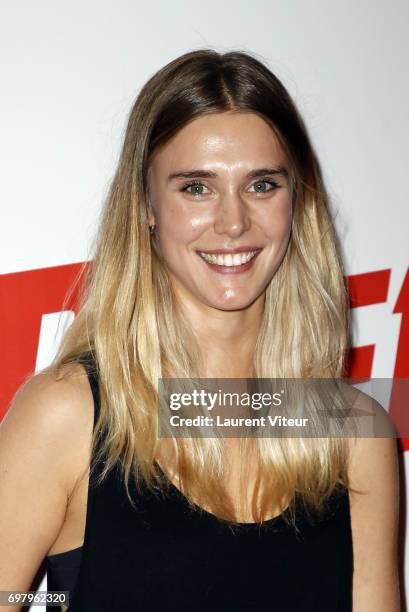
231,269
242,249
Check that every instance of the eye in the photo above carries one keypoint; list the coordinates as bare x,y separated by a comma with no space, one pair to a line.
273,185
196,185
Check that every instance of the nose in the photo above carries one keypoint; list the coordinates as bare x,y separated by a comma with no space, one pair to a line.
232,216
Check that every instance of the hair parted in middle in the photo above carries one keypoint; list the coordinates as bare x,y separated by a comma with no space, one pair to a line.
128,316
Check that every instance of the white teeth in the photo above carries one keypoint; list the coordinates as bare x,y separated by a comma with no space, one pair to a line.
237,259
228,260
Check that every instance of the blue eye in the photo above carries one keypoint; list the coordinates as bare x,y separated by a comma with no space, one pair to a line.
198,185
273,185
193,184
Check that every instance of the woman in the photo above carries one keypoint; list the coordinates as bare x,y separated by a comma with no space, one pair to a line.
216,258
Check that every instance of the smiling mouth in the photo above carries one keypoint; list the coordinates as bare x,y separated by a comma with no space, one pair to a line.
230,263
228,259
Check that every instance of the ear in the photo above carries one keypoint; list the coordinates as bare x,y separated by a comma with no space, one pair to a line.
151,216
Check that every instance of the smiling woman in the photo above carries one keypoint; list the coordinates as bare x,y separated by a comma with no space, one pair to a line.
216,257
237,218
237,215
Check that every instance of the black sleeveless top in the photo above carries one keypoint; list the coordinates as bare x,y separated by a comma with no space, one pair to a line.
165,556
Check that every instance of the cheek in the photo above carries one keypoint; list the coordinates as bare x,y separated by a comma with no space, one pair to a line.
175,232
277,220
182,224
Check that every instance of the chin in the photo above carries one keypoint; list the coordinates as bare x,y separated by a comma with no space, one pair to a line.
235,303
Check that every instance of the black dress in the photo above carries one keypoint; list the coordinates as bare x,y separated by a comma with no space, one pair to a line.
165,556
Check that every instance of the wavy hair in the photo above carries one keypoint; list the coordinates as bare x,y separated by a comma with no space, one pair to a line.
128,317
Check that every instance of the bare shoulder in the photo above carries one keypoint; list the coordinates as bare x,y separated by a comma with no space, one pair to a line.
374,496
54,412
374,452
45,444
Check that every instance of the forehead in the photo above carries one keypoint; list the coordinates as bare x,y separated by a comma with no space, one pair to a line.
228,138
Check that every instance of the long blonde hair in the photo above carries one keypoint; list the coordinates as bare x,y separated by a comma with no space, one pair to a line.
129,320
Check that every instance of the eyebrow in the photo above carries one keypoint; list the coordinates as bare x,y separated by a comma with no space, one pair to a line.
197,173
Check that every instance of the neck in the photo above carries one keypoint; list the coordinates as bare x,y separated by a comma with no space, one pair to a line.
226,339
